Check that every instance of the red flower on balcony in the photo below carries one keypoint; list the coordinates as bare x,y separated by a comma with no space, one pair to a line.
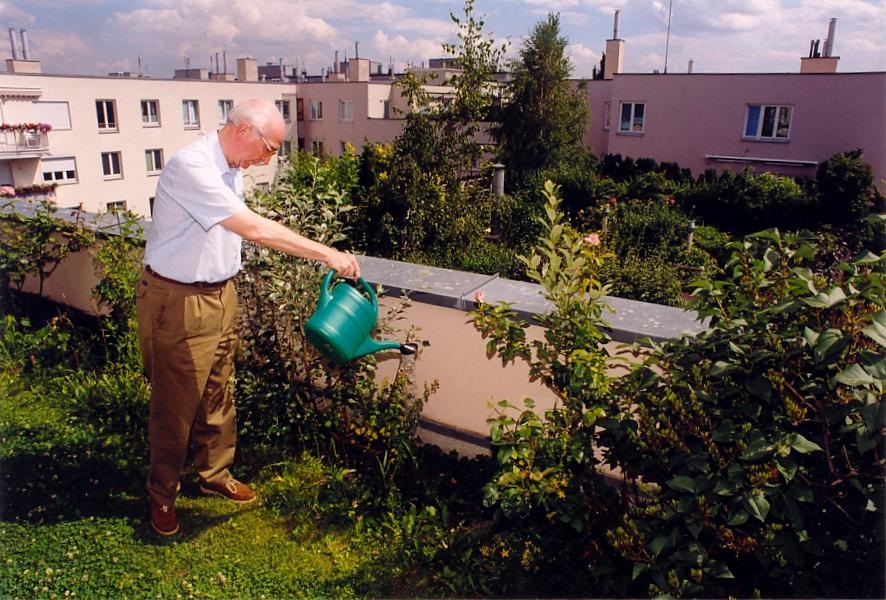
42,127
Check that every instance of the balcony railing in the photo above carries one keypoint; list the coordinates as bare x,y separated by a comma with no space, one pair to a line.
24,141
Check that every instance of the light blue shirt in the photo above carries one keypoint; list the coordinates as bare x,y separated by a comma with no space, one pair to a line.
196,190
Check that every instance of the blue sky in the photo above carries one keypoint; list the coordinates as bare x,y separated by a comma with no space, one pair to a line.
719,36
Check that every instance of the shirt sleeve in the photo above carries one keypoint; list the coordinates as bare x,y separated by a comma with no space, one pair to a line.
198,187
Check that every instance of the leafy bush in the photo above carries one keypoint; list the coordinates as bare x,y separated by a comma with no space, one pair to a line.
747,201
548,481
289,397
760,441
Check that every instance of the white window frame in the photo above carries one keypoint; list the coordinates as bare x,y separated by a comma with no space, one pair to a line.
191,118
284,107
772,133
632,125
316,110
154,160
346,110
108,166
607,115
317,147
102,117
224,107
56,175
150,112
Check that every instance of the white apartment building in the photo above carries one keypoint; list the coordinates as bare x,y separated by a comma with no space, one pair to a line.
109,136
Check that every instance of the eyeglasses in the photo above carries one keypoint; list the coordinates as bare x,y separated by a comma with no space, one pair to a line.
271,149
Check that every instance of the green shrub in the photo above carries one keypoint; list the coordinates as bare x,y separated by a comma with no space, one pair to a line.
289,397
760,442
645,278
747,201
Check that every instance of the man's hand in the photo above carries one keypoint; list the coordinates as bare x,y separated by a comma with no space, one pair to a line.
344,263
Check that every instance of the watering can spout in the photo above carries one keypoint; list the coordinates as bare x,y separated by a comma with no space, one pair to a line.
370,345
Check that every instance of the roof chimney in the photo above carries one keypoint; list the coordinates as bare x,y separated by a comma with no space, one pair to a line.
26,49
614,50
829,43
821,59
13,41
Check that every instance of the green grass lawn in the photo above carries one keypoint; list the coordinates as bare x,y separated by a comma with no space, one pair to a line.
74,521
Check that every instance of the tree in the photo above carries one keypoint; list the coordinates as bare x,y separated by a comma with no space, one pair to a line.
417,202
544,119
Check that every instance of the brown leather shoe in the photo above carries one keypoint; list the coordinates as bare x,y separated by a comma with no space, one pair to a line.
163,519
231,489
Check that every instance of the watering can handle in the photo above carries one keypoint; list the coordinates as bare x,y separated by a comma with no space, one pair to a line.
327,285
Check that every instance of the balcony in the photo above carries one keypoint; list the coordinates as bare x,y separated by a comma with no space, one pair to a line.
23,143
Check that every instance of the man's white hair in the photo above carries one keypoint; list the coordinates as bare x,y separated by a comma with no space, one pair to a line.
255,112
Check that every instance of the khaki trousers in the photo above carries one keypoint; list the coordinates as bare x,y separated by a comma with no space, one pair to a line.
188,337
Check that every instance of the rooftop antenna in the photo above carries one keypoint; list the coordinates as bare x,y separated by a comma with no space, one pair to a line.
668,38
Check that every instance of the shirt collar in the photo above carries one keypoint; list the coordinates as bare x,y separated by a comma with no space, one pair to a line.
220,161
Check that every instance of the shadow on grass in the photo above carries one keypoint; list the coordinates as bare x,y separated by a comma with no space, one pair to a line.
65,484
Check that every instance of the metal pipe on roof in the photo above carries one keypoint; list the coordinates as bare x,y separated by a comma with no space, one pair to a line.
13,42
26,48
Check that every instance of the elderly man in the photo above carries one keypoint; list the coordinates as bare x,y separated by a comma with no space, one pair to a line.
187,303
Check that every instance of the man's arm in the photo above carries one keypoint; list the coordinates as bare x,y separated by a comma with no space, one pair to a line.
266,232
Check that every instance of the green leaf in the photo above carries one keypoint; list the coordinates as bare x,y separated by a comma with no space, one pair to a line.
759,387
720,368
826,299
758,506
877,329
682,483
802,445
739,518
787,466
639,569
854,375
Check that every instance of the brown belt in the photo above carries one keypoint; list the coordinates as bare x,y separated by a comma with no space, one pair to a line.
194,284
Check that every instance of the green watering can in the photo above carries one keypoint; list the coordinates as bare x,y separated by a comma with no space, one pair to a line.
345,316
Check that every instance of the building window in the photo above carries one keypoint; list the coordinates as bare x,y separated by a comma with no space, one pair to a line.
317,147
285,149
633,117
154,160
106,113
283,107
190,113
59,170
111,165
224,107
316,110
607,109
150,113
151,205
116,206
346,110
767,122
300,109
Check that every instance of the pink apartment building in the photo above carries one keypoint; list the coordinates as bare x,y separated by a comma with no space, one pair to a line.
785,123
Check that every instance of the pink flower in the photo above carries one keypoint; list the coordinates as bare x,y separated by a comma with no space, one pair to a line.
612,200
480,297
593,239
